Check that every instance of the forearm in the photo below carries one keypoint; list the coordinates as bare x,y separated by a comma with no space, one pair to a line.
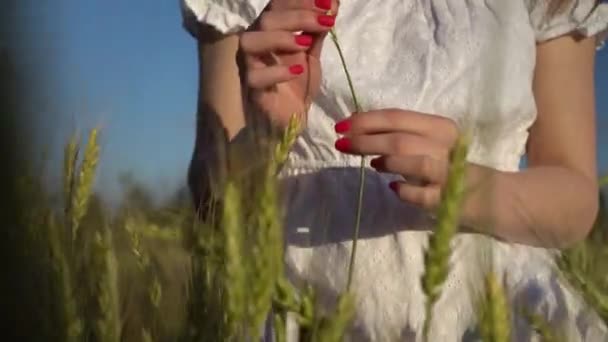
218,154
547,206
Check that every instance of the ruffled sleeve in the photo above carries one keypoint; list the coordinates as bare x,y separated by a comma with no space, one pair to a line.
583,17
226,16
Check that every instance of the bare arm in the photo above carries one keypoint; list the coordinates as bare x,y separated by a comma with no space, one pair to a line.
219,111
219,89
555,201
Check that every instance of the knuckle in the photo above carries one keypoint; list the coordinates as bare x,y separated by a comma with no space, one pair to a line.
427,198
265,22
400,144
245,41
426,165
251,78
450,129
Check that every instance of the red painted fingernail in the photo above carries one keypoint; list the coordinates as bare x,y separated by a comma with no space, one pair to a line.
375,163
323,4
343,144
296,69
326,20
394,186
342,126
304,40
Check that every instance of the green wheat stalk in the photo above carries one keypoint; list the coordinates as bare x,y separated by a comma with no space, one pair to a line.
105,268
603,181
70,161
333,328
63,277
581,281
351,266
437,255
541,327
235,277
267,264
142,258
495,313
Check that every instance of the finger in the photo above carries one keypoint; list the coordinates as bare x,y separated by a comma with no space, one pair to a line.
295,20
436,127
427,197
259,43
398,144
421,167
316,5
317,46
269,76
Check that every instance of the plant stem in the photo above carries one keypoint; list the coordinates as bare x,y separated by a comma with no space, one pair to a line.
353,254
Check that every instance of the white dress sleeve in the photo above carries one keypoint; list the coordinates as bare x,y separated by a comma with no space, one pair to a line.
226,16
583,17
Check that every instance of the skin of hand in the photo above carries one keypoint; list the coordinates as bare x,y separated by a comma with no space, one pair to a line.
552,203
281,70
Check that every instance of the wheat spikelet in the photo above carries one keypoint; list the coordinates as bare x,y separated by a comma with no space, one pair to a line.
142,258
541,327
146,336
437,255
280,330
267,258
105,268
70,160
205,319
285,300
333,328
289,137
267,250
495,314
235,280
84,182
63,279
155,293
134,228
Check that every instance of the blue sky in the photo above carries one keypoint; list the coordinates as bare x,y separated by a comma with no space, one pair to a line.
129,66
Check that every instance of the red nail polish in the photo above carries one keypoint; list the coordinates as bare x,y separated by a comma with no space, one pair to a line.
343,145
342,126
326,20
296,69
303,40
375,163
323,4
394,186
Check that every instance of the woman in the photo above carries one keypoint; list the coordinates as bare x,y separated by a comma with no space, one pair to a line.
518,74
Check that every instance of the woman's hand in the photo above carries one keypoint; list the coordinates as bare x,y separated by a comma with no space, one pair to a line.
280,69
414,145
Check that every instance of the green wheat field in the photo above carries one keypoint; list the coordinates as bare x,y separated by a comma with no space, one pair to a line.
163,272
156,272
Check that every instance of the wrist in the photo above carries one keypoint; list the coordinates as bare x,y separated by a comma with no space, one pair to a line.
481,194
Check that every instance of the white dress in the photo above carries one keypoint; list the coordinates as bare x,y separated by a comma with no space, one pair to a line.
469,60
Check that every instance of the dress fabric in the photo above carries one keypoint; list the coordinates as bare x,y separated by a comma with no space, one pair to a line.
468,60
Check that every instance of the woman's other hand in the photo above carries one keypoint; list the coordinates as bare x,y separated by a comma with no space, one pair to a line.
414,145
